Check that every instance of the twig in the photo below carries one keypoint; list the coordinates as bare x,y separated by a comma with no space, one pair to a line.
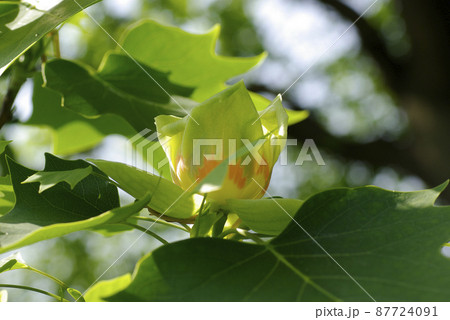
55,41
17,79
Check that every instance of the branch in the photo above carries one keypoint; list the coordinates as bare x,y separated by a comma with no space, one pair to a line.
15,83
20,71
6,113
373,43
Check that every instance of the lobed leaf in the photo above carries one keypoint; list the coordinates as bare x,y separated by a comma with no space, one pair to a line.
192,61
48,179
93,94
60,210
389,242
189,58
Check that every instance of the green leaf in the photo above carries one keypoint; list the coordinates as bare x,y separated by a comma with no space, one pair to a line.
74,293
389,242
107,288
268,216
190,58
25,235
168,198
108,91
192,61
49,179
72,133
59,210
22,24
7,196
3,145
13,262
145,83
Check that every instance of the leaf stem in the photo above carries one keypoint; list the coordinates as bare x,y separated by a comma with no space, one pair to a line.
219,225
163,222
236,224
186,226
55,41
199,217
253,237
244,233
16,286
228,232
16,81
145,230
59,282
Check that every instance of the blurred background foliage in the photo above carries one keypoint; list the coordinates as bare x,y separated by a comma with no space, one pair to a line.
378,97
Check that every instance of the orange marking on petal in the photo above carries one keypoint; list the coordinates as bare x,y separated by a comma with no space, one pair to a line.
208,166
232,172
236,175
242,182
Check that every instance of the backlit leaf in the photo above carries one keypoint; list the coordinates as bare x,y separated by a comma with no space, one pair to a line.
13,262
189,58
72,132
24,23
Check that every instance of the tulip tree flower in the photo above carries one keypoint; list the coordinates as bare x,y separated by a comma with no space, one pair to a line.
218,130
